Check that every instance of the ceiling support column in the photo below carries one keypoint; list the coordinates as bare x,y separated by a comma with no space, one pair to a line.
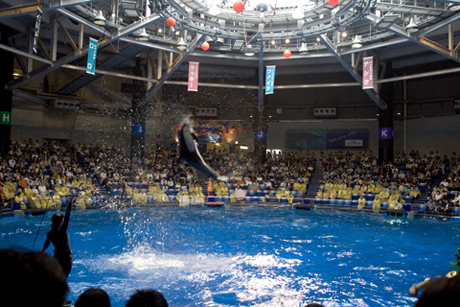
6,66
260,125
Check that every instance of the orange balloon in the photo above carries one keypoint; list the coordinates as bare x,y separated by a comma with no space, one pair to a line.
238,6
170,21
287,53
205,46
333,2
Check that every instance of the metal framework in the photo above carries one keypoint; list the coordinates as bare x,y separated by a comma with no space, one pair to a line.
381,26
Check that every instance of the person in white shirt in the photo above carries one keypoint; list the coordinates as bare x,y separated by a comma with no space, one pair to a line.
444,182
456,199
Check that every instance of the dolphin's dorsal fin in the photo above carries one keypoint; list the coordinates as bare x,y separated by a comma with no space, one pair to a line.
194,137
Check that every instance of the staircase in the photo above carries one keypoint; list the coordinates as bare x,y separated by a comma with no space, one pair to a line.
313,187
420,200
203,183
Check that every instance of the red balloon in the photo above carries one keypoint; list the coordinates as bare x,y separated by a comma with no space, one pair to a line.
333,2
238,6
287,53
205,46
170,21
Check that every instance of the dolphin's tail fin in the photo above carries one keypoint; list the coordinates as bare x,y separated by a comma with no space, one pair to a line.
208,171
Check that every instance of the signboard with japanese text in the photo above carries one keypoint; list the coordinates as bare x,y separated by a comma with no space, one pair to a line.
193,76
368,72
269,79
92,54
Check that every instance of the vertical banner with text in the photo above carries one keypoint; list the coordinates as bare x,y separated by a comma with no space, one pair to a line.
368,72
269,79
92,53
193,76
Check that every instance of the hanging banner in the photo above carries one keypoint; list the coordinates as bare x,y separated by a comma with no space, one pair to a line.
92,53
193,76
269,79
368,72
38,23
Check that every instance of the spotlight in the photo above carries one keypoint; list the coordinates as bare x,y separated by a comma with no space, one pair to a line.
412,26
100,19
248,50
356,43
181,44
453,7
143,36
303,48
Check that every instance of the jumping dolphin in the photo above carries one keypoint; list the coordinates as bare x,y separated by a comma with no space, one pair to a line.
190,153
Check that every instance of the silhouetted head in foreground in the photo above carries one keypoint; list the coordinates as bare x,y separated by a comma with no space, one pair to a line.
93,297
31,279
147,298
442,291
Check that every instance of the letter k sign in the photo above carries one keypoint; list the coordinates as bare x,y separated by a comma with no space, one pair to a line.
384,133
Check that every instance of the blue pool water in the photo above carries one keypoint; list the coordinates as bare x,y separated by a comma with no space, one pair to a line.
248,257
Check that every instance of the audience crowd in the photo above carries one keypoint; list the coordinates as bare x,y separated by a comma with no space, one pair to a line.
349,173
30,170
